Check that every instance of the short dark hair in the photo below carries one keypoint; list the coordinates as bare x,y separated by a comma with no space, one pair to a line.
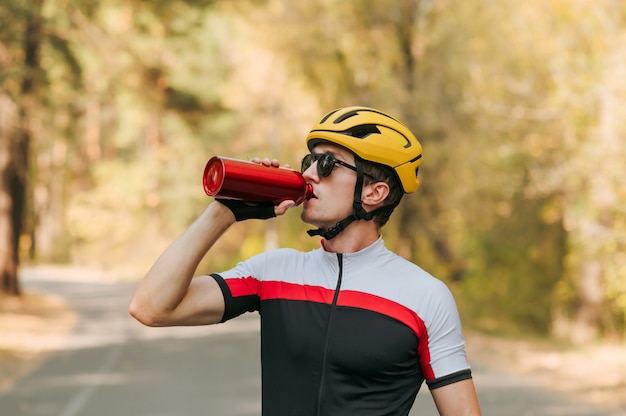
382,173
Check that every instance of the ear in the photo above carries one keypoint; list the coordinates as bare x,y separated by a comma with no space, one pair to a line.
374,194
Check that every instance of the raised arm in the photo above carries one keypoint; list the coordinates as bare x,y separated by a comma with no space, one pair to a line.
169,294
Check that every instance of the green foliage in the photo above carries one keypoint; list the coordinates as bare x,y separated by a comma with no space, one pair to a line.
514,274
519,107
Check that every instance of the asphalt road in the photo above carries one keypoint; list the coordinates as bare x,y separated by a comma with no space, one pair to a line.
113,366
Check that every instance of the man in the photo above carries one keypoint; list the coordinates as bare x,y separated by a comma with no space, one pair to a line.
349,328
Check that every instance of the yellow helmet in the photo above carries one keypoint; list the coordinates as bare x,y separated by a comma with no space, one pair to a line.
373,136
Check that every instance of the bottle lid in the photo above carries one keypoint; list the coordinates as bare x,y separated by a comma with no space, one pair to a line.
213,178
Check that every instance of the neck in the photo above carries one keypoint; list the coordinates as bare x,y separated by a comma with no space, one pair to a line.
357,236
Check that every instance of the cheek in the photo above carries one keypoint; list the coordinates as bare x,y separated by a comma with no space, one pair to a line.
341,204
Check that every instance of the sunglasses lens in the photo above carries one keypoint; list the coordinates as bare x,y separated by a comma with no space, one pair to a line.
306,163
325,165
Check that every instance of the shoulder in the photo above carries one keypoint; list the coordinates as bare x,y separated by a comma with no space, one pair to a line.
289,255
387,274
273,263
410,273
414,287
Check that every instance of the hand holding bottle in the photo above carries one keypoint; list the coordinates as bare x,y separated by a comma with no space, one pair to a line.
256,189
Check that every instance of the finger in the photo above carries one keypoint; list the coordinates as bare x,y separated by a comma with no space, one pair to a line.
255,160
282,208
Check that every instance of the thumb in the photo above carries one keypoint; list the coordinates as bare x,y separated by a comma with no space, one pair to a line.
282,208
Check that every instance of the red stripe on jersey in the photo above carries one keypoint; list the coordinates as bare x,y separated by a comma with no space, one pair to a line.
396,311
291,291
424,353
243,286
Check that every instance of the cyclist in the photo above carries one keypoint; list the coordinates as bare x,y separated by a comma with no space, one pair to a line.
349,328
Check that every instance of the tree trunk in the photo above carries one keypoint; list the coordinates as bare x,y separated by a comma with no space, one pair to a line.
8,264
14,156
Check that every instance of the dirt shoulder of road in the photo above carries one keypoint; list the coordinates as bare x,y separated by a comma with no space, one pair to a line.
593,373
34,325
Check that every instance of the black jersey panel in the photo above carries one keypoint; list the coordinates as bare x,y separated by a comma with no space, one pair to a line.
292,346
398,312
371,361
372,346
373,364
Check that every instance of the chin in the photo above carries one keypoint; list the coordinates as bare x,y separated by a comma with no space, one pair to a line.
307,218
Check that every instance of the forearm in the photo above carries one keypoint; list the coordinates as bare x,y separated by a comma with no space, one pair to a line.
167,283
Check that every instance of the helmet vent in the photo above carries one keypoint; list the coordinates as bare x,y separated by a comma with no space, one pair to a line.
346,116
327,115
362,131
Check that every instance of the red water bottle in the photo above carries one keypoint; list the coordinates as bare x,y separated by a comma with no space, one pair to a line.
247,181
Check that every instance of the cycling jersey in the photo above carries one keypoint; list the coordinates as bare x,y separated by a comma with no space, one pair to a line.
346,334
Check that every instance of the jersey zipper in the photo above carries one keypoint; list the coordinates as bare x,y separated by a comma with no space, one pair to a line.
333,307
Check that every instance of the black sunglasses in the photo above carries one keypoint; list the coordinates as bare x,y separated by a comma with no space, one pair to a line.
325,164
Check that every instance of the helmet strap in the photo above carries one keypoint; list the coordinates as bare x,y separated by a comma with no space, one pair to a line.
359,212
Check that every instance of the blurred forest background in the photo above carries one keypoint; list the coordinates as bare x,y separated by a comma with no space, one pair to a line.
109,110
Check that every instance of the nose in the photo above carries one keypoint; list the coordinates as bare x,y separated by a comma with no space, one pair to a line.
310,174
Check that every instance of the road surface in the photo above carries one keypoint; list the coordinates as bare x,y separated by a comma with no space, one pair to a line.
113,366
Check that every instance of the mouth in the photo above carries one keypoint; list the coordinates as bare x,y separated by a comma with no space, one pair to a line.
310,194
310,198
